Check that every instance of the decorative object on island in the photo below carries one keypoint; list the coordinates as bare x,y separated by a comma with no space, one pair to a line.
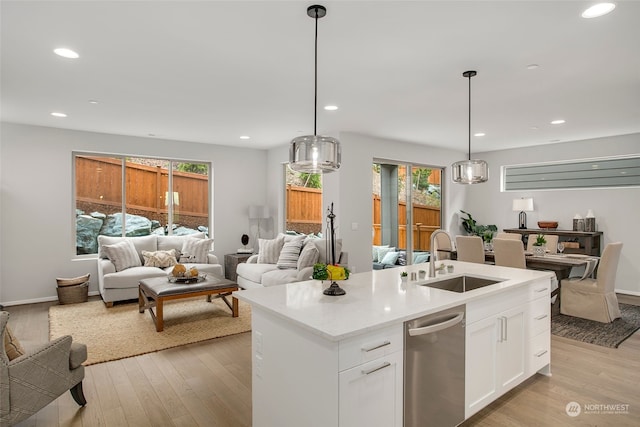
539,247
259,213
315,153
523,205
331,271
472,228
403,276
470,171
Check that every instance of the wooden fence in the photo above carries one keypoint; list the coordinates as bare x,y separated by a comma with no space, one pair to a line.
99,185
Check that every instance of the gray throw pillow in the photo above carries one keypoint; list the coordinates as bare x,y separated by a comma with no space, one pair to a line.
123,255
308,257
195,250
290,253
269,250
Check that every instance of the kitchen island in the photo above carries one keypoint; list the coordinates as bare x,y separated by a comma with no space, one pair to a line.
338,361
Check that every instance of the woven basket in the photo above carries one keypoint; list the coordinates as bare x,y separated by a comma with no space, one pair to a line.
72,294
62,281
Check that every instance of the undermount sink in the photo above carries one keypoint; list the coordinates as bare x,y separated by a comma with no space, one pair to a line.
463,283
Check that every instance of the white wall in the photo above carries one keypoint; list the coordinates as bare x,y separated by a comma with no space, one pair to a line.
36,204
350,187
616,209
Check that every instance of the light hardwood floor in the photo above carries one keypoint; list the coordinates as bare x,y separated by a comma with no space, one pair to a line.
209,384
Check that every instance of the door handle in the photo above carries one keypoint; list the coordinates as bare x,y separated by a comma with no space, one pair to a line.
371,371
437,327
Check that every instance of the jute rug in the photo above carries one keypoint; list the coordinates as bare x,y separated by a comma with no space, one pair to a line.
121,331
603,334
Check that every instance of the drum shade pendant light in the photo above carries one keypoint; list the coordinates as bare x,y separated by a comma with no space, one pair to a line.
470,171
315,153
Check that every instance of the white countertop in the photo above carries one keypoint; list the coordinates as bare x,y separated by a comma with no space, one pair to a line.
377,298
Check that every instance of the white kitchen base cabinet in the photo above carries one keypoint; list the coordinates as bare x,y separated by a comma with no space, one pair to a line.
302,379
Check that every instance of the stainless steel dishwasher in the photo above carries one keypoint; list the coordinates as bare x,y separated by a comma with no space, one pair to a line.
434,347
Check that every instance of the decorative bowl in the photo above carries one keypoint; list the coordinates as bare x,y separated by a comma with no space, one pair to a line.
548,224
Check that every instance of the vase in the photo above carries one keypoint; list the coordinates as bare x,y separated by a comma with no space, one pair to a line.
539,250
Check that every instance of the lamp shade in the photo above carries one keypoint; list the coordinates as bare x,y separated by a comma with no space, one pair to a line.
258,212
470,172
523,205
314,154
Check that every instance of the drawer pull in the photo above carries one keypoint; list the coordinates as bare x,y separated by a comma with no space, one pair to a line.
541,353
375,347
541,290
542,316
371,371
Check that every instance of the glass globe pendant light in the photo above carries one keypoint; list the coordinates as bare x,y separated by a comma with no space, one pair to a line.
315,153
470,171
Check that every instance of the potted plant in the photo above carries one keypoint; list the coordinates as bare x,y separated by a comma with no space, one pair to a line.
403,276
474,229
539,246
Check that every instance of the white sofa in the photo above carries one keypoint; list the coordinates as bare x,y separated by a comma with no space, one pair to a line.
252,274
123,285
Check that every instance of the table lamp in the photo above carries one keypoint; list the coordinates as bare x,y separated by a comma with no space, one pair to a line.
523,205
259,213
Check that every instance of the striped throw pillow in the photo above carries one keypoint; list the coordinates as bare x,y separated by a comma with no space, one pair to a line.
123,255
308,256
269,250
290,253
195,250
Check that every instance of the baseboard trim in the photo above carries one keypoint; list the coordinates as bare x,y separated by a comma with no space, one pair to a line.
38,300
625,292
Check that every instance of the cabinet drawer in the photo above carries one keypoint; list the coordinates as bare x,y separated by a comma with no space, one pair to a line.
539,316
539,351
370,346
540,289
484,307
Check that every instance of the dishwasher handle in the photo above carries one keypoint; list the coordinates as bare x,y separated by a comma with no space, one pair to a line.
438,326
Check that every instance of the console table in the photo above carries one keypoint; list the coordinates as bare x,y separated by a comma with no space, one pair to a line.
590,242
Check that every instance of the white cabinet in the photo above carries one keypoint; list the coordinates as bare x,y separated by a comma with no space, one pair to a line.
507,341
371,393
495,360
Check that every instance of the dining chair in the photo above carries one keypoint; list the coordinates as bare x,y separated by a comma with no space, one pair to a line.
551,245
470,249
502,235
594,299
509,253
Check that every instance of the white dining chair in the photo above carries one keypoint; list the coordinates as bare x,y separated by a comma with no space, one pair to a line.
509,253
470,249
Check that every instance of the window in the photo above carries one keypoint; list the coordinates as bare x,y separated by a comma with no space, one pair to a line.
125,196
586,173
303,200
406,207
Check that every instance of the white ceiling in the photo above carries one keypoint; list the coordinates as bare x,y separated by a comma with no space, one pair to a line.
210,71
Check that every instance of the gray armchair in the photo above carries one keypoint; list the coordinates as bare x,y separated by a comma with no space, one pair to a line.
30,382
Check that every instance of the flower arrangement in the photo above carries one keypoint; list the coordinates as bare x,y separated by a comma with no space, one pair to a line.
330,272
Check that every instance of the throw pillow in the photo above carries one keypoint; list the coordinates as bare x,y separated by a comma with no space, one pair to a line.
160,259
11,345
195,250
402,258
420,258
269,250
289,254
123,255
383,251
374,251
308,257
390,258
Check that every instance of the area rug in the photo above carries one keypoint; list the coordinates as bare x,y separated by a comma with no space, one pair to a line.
603,334
121,331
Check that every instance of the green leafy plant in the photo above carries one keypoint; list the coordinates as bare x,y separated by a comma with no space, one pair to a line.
540,240
474,229
403,274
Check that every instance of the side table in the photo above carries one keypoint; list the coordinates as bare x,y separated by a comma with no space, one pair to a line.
231,262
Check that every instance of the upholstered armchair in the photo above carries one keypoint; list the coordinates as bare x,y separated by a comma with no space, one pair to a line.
594,299
36,378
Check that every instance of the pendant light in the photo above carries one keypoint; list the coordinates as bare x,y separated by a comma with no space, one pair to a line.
470,171
315,153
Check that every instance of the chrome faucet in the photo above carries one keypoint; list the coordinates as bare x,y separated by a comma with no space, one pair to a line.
434,252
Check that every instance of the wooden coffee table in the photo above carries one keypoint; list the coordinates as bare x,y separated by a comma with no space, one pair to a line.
155,291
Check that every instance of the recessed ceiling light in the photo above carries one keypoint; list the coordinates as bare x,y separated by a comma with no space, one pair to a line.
93,101
479,134
57,114
245,137
66,53
331,107
534,128
598,10
532,66
558,122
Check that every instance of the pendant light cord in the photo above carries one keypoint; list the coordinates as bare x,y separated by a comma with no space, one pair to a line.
315,79
469,116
